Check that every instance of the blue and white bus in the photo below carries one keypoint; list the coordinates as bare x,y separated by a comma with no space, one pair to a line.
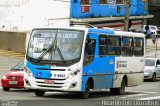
79,59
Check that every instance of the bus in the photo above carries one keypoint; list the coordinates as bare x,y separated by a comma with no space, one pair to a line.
79,60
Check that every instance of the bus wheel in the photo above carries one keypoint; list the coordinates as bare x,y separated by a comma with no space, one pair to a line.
39,92
6,88
86,93
119,91
154,77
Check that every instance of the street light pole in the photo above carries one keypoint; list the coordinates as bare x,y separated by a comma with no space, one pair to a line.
126,20
156,48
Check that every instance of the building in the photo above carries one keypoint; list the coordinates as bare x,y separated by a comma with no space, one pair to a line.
27,14
154,8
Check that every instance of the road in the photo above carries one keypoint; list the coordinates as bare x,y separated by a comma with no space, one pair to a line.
23,97
145,91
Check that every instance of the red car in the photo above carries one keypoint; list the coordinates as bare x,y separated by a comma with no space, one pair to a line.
14,78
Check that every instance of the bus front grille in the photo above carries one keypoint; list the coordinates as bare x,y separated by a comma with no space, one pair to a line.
50,69
50,86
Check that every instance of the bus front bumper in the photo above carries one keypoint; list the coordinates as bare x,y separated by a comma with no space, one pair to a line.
56,85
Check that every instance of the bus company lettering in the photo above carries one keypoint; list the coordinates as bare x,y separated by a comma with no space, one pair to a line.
121,63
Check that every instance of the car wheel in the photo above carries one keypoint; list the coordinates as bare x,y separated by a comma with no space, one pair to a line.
86,93
154,77
6,88
39,93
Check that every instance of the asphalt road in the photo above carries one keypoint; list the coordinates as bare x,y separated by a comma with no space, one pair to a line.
146,91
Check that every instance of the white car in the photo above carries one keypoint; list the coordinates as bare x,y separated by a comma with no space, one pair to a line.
152,68
152,28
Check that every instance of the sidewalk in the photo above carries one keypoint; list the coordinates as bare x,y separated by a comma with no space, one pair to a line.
152,51
150,44
12,54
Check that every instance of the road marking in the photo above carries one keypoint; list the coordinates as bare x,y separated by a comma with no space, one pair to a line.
136,95
150,98
140,91
12,54
4,69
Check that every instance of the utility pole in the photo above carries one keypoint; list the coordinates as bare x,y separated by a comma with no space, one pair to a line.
126,20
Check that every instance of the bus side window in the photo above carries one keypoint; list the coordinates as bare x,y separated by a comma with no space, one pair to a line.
127,46
89,51
114,45
102,45
138,47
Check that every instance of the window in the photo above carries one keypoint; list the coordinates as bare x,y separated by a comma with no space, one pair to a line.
138,47
89,51
85,2
103,1
127,46
158,62
120,1
114,45
102,45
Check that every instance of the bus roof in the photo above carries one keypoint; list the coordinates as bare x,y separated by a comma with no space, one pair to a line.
129,34
108,31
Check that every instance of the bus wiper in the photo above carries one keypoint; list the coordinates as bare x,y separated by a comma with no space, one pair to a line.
45,52
60,53
48,49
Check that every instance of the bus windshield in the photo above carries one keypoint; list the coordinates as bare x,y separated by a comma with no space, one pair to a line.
55,45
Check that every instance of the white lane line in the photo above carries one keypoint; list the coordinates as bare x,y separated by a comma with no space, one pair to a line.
4,69
140,91
136,95
150,98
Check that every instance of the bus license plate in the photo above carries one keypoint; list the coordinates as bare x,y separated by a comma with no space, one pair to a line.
13,82
49,81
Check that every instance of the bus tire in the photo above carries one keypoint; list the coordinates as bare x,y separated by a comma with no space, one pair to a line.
39,92
154,77
119,91
86,93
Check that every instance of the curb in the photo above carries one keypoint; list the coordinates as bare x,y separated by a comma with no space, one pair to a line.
12,54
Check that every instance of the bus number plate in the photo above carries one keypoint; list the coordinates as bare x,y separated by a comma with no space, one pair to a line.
49,81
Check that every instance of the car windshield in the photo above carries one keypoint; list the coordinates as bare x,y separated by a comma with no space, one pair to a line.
153,28
55,45
149,62
19,66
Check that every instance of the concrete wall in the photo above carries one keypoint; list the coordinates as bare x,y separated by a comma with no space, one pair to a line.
14,41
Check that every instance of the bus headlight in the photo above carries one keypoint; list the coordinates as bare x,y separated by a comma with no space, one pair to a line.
29,73
73,73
